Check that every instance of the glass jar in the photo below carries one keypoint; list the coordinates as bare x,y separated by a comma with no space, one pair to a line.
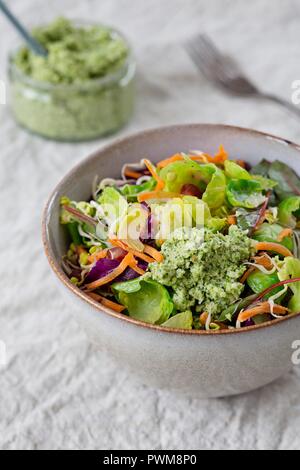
74,112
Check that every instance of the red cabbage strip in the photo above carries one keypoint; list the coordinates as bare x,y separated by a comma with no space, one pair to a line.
80,216
270,289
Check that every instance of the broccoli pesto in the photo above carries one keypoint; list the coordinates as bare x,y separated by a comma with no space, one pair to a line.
203,268
82,89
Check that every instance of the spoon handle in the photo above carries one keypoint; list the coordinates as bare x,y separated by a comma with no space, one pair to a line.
34,45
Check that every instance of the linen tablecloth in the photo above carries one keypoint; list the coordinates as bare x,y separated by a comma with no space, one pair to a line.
56,391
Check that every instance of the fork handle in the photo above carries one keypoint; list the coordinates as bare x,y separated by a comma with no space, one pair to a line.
285,103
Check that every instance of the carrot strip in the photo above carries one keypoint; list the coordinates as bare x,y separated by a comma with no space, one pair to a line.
175,158
231,219
247,274
142,256
157,195
154,253
96,256
152,169
203,318
132,174
137,254
113,274
241,163
276,247
286,232
106,302
220,157
263,260
265,307
119,244
137,269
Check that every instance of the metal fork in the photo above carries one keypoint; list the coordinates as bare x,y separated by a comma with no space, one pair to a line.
224,72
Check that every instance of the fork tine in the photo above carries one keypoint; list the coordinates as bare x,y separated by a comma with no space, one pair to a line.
209,46
207,56
201,64
201,58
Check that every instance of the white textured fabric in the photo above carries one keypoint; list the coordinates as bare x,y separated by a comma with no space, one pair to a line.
56,391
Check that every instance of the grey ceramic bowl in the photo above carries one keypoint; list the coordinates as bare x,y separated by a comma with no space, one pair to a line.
200,364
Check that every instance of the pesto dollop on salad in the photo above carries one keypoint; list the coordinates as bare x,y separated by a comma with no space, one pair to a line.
195,242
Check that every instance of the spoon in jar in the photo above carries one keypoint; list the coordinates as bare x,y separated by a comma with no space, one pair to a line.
32,43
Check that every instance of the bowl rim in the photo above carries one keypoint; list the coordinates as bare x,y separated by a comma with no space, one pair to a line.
56,267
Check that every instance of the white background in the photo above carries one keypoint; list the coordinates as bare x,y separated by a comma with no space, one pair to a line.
56,391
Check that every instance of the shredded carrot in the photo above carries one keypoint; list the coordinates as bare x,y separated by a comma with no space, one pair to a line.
276,247
175,158
152,169
137,254
113,274
231,219
263,260
241,163
220,157
264,307
155,254
247,274
98,255
132,174
157,195
106,302
118,243
136,268
179,157
203,318
286,232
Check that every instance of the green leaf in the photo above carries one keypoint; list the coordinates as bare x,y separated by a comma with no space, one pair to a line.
145,300
74,234
261,169
269,233
259,282
188,211
232,311
265,183
245,193
114,205
246,219
288,181
287,211
131,225
177,174
132,191
214,195
291,270
183,321
235,171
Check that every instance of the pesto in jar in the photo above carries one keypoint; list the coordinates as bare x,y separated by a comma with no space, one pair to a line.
84,87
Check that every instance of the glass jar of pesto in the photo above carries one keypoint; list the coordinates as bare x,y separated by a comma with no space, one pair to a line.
82,90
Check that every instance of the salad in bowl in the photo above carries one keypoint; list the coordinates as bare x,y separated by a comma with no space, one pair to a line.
197,241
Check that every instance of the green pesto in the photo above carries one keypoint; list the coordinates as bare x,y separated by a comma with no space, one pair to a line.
75,54
65,96
203,268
